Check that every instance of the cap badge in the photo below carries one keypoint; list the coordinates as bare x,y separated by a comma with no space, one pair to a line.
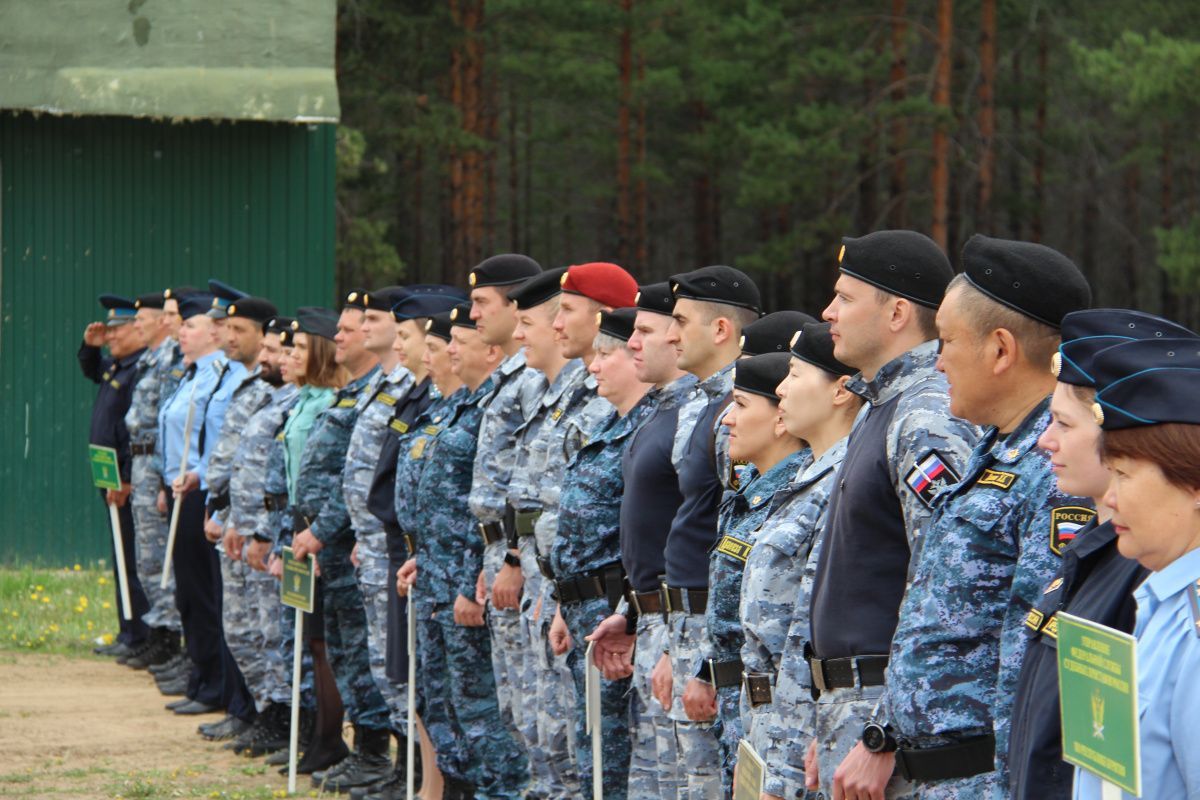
428,324
231,311
471,279
795,338
295,325
1056,364
742,342
563,280
637,298
1098,413
841,254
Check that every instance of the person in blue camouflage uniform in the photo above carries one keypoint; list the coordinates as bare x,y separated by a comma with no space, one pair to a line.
518,390
387,387
243,323
449,559
585,557
776,703
250,519
160,358
757,438
993,540
551,767
905,447
324,529
713,305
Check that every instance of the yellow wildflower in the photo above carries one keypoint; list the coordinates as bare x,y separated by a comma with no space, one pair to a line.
45,599
78,568
40,588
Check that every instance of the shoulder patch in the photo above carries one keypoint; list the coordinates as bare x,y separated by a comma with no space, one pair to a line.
1065,522
399,426
931,474
1033,620
347,402
116,384
1194,601
556,414
996,478
431,429
734,548
176,373
1051,627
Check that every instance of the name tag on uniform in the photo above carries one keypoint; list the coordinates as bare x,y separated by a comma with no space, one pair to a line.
115,384
386,399
1033,619
556,414
176,373
347,402
399,426
432,430
996,478
1051,628
734,548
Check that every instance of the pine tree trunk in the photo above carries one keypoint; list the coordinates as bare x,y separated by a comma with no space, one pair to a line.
1014,164
941,140
987,113
625,223
1037,227
514,182
641,250
898,75
1133,218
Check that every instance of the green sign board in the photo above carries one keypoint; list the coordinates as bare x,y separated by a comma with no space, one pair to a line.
1097,677
297,588
751,771
105,474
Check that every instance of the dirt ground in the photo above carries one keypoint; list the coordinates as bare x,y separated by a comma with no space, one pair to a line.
87,728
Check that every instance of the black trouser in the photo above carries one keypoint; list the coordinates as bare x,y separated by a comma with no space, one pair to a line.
215,679
132,631
397,627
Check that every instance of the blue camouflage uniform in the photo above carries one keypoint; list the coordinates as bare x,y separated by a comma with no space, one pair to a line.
693,531
1168,659
992,543
649,503
320,505
159,372
376,404
904,449
587,547
741,514
239,614
549,760
449,559
776,586
248,514
510,407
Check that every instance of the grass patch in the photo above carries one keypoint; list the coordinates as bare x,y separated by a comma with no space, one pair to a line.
59,611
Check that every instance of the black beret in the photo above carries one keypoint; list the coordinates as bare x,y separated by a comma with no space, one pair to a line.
420,304
150,300
460,316
282,326
538,289
120,309
617,323
761,374
178,292
316,321
258,309
656,297
195,304
904,263
503,270
813,344
773,333
1085,333
1029,278
439,325
223,295
717,284
355,298
1147,382
384,299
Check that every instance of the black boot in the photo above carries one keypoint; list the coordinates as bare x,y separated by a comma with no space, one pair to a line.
273,732
458,789
281,757
368,764
164,644
396,785
173,663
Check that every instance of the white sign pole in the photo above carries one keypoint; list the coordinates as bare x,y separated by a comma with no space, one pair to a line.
297,655
114,518
187,444
592,688
411,743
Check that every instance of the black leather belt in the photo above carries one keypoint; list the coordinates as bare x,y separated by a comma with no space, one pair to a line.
685,601
606,582
961,759
759,688
141,449
544,567
645,602
218,502
839,673
275,502
524,522
491,532
721,673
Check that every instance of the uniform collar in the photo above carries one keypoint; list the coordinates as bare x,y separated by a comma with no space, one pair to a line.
762,486
356,385
720,383
674,391
1015,446
204,362
397,374
897,375
1173,578
830,459
513,363
563,381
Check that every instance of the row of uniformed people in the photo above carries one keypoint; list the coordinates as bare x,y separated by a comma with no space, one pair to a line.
960,628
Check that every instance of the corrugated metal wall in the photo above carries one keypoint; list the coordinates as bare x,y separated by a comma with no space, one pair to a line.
98,204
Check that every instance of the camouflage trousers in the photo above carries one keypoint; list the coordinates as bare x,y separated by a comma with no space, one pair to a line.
461,713
654,761
729,712
346,641
151,528
250,619
372,573
507,647
839,718
699,743
552,699
582,618
780,732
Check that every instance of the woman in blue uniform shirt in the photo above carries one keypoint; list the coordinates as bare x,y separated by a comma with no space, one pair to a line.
1146,404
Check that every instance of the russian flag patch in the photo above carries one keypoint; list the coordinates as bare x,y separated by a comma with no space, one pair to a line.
931,474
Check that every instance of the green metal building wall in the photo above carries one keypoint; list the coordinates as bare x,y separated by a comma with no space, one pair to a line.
106,204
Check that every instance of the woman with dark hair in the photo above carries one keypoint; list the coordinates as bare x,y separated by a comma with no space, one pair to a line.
1146,404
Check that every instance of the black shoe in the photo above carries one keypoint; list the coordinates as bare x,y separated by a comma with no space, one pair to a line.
368,765
175,662
458,789
395,787
180,673
196,707
173,688
274,732
277,758
229,728
117,649
174,704
164,645
135,649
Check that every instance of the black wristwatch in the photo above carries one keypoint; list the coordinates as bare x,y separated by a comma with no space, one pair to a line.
512,561
877,739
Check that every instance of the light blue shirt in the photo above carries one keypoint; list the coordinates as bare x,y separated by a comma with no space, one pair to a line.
213,380
1168,653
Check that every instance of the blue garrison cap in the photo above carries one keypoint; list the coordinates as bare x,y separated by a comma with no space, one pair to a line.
120,309
383,299
195,304
316,321
1147,382
222,295
416,306
1085,333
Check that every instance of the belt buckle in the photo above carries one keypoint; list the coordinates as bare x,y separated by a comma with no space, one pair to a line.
633,601
712,671
817,670
665,596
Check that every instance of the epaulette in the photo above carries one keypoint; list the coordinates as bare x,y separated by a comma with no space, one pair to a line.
1194,600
